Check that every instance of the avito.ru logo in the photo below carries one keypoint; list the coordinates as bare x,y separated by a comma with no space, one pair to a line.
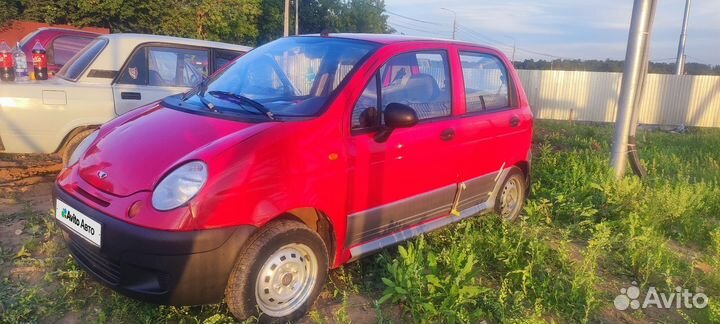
681,298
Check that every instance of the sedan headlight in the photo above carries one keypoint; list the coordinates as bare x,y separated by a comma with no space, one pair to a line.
179,186
82,148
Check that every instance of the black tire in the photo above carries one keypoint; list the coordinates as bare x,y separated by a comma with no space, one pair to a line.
67,150
514,181
262,250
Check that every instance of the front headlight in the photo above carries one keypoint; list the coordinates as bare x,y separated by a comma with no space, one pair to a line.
179,186
82,148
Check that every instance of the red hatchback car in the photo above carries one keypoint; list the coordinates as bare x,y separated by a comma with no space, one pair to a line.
300,156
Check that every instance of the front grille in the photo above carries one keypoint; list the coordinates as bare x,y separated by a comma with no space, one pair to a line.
92,198
101,266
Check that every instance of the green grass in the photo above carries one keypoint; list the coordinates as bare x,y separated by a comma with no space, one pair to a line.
582,237
581,230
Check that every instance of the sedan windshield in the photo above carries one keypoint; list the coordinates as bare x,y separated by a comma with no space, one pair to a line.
289,77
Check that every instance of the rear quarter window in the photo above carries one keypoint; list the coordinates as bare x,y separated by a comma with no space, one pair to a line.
486,82
64,48
82,60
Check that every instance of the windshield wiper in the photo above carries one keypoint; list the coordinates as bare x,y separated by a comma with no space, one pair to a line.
200,92
243,101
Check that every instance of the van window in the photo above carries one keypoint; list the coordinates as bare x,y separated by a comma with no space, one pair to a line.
486,82
64,47
419,80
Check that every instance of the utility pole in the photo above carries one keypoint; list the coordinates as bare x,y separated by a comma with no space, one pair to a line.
286,23
513,53
297,17
454,21
632,74
680,63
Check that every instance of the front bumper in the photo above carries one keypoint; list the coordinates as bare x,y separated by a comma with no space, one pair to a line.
164,267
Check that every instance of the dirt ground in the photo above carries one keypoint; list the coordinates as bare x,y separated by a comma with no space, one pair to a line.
26,183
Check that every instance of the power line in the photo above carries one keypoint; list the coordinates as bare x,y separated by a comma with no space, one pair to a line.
466,29
395,24
662,59
498,43
699,60
417,26
413,19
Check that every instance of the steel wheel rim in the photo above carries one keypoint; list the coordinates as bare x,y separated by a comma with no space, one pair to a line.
286,280
510,198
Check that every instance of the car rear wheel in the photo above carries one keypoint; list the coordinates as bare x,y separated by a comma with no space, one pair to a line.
67,150
279,274
511,197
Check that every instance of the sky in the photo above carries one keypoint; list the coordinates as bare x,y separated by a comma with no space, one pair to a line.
549,29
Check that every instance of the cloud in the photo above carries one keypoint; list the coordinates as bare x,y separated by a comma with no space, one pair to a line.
567,28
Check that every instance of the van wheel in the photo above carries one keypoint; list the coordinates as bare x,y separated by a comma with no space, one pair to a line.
67,150
279,274
511,198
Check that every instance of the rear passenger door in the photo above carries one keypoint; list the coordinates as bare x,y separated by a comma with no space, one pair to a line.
156,71
412,177
486,129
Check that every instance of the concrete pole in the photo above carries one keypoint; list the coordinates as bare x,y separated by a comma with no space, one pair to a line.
680,62
513,53
454,21
644,71
642,11
297,17
633,150
286,22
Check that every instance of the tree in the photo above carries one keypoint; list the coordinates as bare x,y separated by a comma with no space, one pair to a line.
363,16
8,12
248,22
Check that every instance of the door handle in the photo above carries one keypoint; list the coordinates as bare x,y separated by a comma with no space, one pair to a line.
130,95
514,121
447,135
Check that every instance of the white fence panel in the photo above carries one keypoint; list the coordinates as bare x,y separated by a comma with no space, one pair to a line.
592,96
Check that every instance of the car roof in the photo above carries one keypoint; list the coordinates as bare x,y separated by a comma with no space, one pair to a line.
137,39
58,29
387,39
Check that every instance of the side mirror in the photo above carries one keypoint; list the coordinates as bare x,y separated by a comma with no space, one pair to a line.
396,115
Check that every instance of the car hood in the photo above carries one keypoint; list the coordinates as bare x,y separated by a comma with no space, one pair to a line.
137,153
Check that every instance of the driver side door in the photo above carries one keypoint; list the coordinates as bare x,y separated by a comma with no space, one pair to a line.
412,177
156,71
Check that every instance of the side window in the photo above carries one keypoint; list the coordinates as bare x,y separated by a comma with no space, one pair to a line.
223,57
64,48
135,71
419,80
176,67
366,113
486,82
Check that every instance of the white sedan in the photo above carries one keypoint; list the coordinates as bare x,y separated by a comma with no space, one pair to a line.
109,77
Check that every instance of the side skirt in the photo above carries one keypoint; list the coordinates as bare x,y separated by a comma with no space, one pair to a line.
395,238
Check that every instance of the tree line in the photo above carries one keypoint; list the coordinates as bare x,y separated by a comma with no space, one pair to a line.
247,22
613,66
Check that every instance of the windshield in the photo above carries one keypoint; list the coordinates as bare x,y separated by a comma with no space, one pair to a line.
78,63
289,77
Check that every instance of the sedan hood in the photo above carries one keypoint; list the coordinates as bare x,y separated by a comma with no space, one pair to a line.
135,154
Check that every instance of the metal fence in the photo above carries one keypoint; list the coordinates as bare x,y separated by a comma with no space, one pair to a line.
593,96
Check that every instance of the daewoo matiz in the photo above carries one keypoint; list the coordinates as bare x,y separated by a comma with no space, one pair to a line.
302,155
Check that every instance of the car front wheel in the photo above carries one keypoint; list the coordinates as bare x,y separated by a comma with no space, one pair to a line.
279,274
